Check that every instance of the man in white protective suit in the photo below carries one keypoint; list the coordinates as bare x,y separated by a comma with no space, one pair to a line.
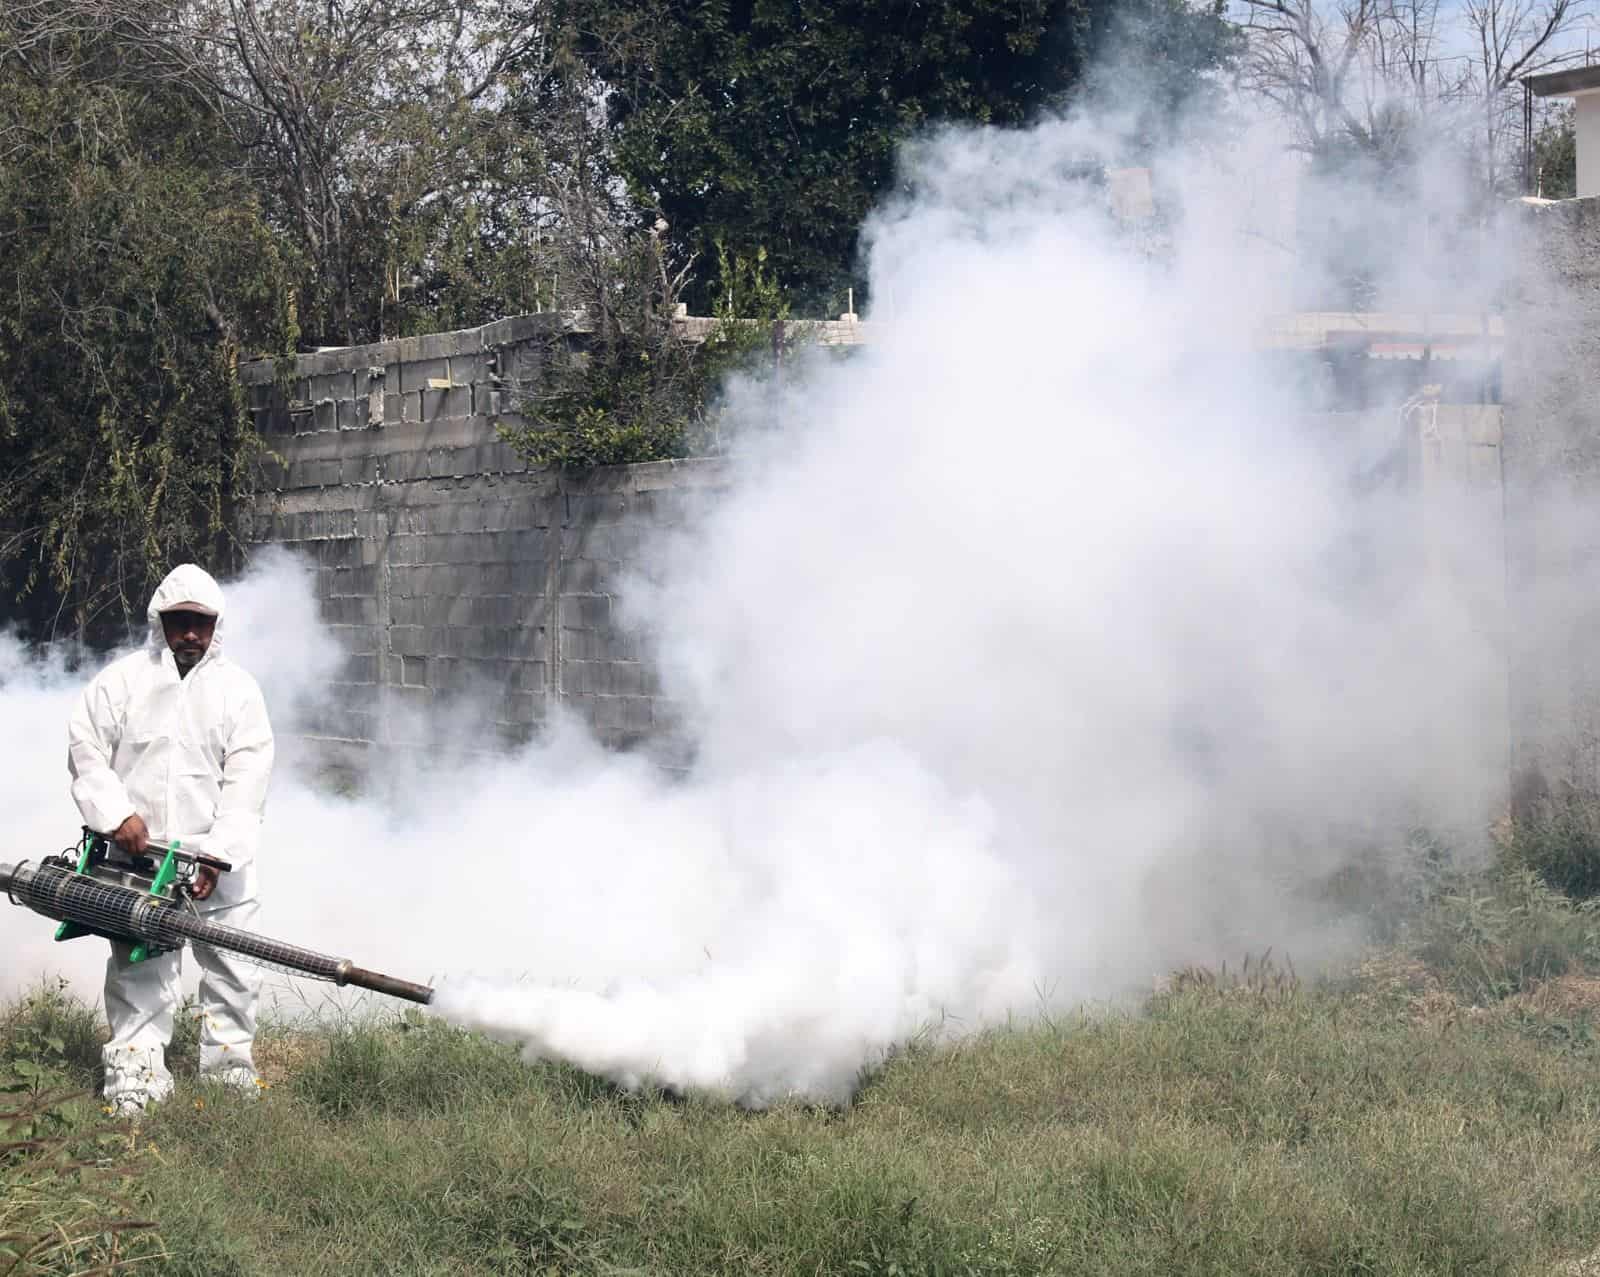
169,742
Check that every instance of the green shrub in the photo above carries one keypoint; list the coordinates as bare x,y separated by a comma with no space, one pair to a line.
1559,840
1501,933
634,388
66,1173
48,1032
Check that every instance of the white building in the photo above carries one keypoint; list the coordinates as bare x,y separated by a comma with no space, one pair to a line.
1582,84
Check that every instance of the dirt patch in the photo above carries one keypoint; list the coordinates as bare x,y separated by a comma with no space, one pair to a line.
1396,974
1399,984
1563,996
280,1056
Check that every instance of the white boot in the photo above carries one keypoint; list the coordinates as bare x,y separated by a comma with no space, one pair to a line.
135,1079
240,1079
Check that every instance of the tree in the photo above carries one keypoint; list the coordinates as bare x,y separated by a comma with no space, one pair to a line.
1512,39
137,266
1365,79
1555,155
774,126
376,134
372,125
1409,147
1160,62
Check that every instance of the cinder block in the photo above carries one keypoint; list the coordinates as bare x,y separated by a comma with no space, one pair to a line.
350,610
495,609
274,474
617,645
467,516
454,402
576,645
465,462
528,642
468,368
413,700
336,552
406,611
441,577
636,714
408,640
529,610
407,551
498,458
667,714
416,374
356,639
522,707
361,668
579,576
589,611
405,467
314,474
526,577
355,726
530,544
332,386
488,643
403,583
354,470
360,579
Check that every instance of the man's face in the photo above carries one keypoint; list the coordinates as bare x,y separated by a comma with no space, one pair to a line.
188,635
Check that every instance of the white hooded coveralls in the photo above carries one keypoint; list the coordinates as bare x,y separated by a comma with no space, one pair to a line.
192,756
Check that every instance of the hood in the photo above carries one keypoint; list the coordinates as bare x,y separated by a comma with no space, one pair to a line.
186,583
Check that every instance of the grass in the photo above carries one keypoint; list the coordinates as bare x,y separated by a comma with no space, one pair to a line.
67,1174
1559,840
1435,1109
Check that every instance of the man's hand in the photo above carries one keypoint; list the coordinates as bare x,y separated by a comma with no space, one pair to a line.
205,882
132,836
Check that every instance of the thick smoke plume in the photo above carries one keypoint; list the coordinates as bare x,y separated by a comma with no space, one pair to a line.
1040,646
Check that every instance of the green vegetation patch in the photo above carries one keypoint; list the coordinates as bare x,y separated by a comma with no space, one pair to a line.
1307,1131
68,1174
1422,1113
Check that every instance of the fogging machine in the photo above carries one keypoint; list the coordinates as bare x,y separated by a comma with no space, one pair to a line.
146,902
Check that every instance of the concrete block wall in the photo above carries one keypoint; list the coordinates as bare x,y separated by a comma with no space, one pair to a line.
1551,462
449,572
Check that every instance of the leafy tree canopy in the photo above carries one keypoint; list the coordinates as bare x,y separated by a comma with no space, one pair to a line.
1555,155
135,268
768,125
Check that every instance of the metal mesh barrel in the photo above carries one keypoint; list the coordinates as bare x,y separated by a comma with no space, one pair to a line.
129,915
